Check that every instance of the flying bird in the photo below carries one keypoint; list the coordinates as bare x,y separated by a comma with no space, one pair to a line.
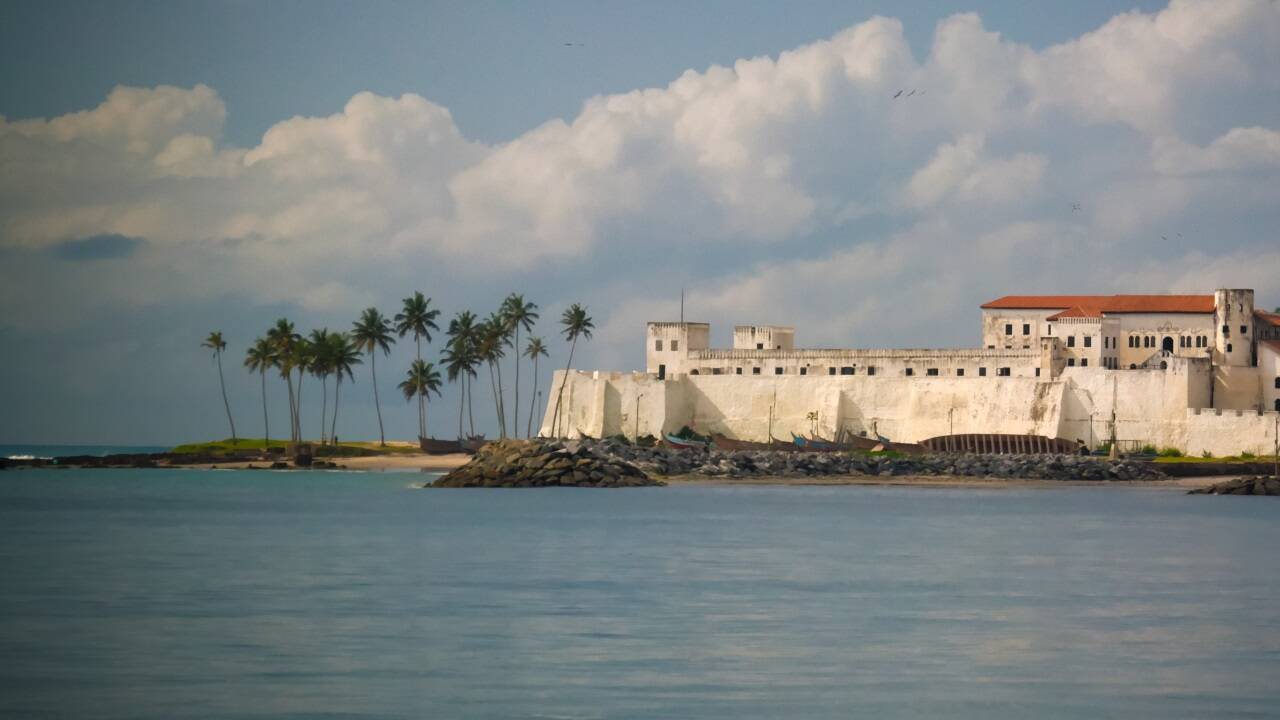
913,92
1164,238
895,97
1075,207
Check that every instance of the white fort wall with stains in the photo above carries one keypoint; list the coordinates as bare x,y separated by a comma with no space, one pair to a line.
1081,367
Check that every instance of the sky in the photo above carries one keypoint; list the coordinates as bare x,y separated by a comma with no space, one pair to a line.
171,168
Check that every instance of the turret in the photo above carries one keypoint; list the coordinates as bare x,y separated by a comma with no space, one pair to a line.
1233,327
667,345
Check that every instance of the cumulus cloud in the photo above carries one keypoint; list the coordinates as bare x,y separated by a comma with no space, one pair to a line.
847,167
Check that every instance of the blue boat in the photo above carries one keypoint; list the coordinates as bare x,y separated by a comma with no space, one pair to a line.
682,444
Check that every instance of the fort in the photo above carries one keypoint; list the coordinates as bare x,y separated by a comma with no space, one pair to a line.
1200,373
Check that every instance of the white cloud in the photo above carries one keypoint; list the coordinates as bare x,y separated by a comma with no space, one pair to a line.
798,170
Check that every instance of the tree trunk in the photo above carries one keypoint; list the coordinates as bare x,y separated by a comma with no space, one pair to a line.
298,406
223,384
471,408
555,423
462,399
266,423
333,427
288,378
377,405
497,409
515,400
324,404
422,411
528,430
502,406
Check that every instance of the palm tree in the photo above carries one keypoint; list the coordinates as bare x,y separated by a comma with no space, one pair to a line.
575,322
519,314
461,359
373,332
418,318
533,351
303,358
320,367
260,357
284,343
343,354
217,344
490,346
423,380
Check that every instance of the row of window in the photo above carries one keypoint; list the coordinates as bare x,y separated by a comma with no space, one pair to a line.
657,345
1008,328
1226,330
852,370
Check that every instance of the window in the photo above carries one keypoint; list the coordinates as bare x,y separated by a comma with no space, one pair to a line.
1026,329
1003,372
1228,347
755,371
1132,366
910,372
759,346
1088,341
693,371
1182,341
657,344
737,371
846,370
715,371
991,347
1071,362
804,371
1071,341
831,370
959,372
1277,404
1037,372
675,345
1084,362
1226,331
931,372
1008,328
777,371
1278,383
1244,329
871,369
982,372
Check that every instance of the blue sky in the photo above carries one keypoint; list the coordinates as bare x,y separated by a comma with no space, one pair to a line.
171,168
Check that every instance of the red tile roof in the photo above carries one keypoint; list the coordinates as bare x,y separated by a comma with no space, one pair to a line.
1272,319
1076,312
1106,303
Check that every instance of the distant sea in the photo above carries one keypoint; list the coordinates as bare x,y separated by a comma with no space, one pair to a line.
183,594
51,451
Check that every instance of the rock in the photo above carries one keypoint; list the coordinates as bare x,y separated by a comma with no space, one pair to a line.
541,463
1259,485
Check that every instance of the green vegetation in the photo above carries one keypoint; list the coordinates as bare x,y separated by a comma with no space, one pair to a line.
324,353
1206,455
1209,458
253,445
1247,455
1170,452
1148,450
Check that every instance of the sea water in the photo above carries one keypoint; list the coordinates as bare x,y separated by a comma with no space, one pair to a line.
27,452
242,594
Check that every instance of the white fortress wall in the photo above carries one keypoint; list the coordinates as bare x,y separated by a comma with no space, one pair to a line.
1230,432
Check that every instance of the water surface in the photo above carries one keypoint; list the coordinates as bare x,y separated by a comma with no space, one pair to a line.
220,594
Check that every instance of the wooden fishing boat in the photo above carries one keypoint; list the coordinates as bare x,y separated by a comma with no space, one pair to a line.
472,443
814,444
1000,444
432,446
729,444
682,444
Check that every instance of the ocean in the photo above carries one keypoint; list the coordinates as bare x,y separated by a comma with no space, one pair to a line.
51,451
242,594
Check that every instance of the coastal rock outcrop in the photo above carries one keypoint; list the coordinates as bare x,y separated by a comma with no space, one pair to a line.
1256,485
543,463
766,463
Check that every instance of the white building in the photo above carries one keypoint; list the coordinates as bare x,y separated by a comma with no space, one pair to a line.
1196,372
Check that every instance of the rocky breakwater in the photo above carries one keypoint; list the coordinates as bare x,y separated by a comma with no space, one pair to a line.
543,463
766,463
1259,485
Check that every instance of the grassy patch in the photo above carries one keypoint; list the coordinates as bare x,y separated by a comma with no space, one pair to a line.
1230,459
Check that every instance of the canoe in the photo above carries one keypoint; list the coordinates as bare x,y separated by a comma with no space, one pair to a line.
682,444
814,444
729,444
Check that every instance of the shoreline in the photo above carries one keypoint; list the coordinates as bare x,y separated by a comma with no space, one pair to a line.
939,481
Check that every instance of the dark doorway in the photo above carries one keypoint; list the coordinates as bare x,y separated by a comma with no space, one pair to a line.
662,372
1167,345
